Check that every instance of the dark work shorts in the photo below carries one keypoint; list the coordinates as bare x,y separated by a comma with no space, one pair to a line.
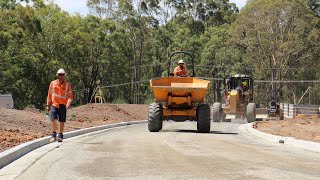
59,113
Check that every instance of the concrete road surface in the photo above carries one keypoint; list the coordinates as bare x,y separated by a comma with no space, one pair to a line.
177,152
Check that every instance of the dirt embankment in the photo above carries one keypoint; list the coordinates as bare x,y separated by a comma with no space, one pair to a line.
19,126
302,127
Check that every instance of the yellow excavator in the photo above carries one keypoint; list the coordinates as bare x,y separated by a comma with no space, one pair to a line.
239,102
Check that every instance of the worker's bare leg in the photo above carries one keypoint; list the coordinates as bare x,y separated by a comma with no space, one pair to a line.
54,130
54,125
60,135
61,127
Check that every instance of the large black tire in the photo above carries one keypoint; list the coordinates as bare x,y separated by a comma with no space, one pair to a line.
203,118
251,112
216,112
155,117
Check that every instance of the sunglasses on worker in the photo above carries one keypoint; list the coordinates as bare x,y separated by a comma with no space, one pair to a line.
60,74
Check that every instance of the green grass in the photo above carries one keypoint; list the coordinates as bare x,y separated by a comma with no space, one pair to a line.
119,101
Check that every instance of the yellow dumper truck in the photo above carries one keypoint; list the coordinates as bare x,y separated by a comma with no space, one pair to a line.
179,99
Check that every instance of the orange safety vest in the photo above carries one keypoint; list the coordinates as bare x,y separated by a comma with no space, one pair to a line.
59,93
178,71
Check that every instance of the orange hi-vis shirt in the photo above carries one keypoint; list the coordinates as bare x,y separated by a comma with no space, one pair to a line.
178,71
59,93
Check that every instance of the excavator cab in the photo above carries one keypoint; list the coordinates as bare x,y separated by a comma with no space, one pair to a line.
243,85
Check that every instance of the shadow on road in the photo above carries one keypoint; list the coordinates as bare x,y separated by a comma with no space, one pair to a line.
236,121
195,131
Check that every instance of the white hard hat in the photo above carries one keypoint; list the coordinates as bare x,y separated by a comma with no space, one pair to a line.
181,62
61,71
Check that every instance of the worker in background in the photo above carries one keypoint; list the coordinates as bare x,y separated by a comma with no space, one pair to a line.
180,70
58,101
245,86
245,93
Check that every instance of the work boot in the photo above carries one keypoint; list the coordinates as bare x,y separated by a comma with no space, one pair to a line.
60,137
53,137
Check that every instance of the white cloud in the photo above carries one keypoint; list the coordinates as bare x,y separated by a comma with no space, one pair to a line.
80,6
239,3
73,6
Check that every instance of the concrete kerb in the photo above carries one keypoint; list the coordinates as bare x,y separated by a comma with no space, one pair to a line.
15,153
307,145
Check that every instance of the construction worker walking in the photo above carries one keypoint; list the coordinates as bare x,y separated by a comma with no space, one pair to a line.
58,101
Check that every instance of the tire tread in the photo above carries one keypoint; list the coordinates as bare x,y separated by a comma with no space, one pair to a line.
155,117
203,118
251,112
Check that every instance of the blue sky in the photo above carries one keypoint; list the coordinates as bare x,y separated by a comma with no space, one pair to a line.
80,6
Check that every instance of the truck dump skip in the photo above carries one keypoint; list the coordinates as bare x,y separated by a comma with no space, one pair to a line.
195,88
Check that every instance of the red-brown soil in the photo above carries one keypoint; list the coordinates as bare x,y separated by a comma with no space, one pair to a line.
19,126
304,127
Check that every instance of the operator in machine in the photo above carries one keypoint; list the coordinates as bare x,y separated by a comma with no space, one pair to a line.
244,86
239,88
180,70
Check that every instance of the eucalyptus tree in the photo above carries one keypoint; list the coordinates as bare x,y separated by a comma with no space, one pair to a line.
277,35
